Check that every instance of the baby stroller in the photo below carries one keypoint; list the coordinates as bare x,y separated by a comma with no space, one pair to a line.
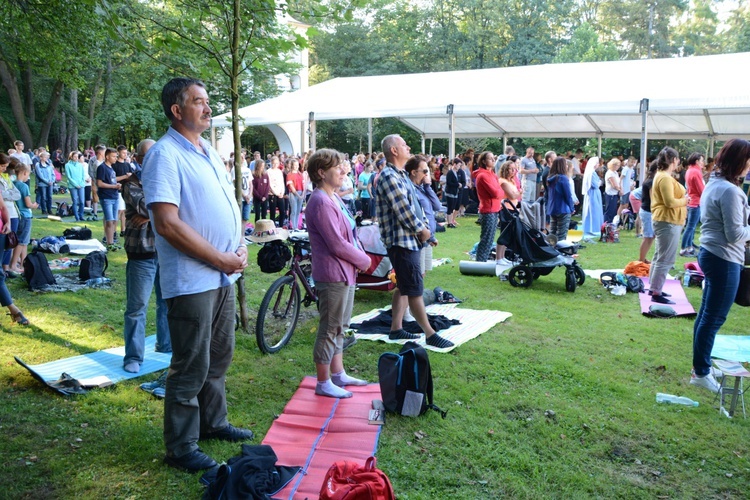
533,255
378,276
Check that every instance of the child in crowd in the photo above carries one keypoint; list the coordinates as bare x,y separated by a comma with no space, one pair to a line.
25,206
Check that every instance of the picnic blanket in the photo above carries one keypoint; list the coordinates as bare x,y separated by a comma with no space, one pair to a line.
681,305
315,431
473,324
85,247
96,369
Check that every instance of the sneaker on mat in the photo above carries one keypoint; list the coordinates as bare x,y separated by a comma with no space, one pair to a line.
229,433
436,340
706,382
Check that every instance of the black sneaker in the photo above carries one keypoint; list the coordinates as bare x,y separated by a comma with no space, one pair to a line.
402,335
436,340
661,299
229,433
192,462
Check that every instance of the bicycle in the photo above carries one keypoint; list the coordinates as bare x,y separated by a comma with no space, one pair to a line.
280,308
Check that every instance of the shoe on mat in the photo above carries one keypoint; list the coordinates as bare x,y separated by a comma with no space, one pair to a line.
402,335
229,433
661,299
706,382
192,462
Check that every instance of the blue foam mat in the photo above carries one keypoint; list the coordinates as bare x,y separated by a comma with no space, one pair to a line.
732,347
107,363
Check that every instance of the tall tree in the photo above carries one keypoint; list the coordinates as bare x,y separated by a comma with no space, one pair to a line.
585,46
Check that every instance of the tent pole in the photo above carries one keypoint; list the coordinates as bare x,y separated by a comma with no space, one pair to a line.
431,146
711,144
423,148
302,138
369,135
213,137
505,143
451,128
644,138
599,146
313,138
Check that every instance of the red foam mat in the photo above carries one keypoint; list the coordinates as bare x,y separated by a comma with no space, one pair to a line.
315,431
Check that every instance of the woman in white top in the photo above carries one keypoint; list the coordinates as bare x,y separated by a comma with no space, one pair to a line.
612,190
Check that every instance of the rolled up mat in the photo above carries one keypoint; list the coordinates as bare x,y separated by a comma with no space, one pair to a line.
474,268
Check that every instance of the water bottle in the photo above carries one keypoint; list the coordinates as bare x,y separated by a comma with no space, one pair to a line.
677,400
686,279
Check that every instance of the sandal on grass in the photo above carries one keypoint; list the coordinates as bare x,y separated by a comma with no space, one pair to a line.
19,318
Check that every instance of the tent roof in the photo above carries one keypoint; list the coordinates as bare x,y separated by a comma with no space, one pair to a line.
691,97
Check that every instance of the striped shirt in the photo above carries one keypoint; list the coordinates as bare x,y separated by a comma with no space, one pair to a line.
396,210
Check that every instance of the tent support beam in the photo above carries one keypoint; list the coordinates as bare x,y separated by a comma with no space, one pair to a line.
505,142
422,143
593,124
369,135
313,132
452,129
644,138
492,122
599,145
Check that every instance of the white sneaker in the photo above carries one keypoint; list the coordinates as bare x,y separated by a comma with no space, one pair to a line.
707,382
504,262
718,374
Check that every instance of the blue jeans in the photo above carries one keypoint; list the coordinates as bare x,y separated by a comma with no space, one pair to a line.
721,282
77,195
693,216
141,276
295,208
5,298
247,208
109,207
44,193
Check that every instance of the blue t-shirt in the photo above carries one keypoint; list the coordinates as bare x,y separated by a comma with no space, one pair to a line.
106,174
23,210
196,182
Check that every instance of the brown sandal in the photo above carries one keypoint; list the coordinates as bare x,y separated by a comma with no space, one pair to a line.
19,318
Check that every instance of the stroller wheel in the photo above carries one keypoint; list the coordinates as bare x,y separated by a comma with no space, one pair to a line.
580,275
520,276
570,279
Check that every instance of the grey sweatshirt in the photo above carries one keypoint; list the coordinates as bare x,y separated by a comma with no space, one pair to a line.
724,219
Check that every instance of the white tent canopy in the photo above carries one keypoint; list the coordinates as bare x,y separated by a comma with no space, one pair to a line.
693,97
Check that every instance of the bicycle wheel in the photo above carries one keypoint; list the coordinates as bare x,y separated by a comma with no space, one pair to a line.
278,314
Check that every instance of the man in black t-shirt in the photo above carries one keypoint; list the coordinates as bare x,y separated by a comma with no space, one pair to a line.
123,170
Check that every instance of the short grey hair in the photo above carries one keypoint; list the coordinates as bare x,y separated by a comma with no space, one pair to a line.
143,146
388,142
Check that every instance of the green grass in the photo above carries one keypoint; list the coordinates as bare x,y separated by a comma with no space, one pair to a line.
589,356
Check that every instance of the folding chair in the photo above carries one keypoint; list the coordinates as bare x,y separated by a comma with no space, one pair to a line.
738,371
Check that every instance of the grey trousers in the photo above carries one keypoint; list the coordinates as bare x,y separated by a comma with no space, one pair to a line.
667,238
202,332
335,301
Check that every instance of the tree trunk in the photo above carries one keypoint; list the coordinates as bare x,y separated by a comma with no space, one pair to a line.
16,105
73,121
92,106
28,92
6,127
54,102
234,81
107,82
62,138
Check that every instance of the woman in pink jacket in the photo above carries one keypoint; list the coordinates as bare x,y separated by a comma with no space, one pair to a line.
336,257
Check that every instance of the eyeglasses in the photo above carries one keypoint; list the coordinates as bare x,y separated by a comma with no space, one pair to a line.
426,171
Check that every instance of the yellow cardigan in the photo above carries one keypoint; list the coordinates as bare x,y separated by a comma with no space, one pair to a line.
668,202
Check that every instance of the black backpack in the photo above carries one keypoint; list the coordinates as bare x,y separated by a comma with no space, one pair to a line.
36,271
94,265
63,210
406,381
77,233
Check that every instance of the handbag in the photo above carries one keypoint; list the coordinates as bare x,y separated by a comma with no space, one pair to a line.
11,240
743,290
747,254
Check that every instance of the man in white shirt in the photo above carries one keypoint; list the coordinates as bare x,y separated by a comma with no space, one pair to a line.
627,180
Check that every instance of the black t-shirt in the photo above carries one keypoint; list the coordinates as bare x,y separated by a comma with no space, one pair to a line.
122,168
646,195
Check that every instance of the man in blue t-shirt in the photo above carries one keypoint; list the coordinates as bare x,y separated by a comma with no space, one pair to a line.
108,189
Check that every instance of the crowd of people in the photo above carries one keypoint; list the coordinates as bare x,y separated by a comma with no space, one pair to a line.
162,193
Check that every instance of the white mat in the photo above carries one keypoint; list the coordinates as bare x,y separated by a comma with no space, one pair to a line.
85,247
473,324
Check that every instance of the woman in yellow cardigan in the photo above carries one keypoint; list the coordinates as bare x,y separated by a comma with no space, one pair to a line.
668,212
